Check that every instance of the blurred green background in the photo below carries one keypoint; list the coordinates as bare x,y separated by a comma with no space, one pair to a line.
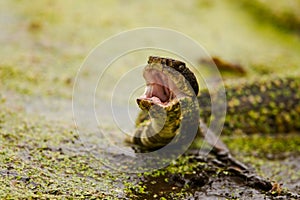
43,44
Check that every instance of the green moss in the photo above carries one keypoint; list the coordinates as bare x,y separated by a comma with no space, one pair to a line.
43,46
33,82
281,13
263,145
39,160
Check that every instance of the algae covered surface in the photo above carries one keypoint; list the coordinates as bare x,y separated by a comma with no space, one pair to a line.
43,46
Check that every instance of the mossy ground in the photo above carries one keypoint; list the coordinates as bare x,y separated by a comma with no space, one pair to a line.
44,160
44,43
282,14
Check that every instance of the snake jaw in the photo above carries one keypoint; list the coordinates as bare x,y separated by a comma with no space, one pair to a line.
158,90
168,103
167,80
158,93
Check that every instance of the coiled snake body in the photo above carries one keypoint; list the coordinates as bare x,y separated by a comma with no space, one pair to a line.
269,105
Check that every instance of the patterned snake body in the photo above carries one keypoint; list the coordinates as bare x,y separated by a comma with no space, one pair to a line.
169,105
264,106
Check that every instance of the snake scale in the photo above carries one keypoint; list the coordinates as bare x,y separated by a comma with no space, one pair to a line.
269,105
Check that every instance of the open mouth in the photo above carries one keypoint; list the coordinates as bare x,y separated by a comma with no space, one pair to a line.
166,80
159,90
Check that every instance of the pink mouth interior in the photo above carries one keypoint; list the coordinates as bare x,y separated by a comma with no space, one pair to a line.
158,90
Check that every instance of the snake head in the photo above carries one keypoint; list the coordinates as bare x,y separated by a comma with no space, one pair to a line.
170,106
167,80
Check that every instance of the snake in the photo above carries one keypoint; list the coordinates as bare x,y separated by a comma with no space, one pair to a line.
172,98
